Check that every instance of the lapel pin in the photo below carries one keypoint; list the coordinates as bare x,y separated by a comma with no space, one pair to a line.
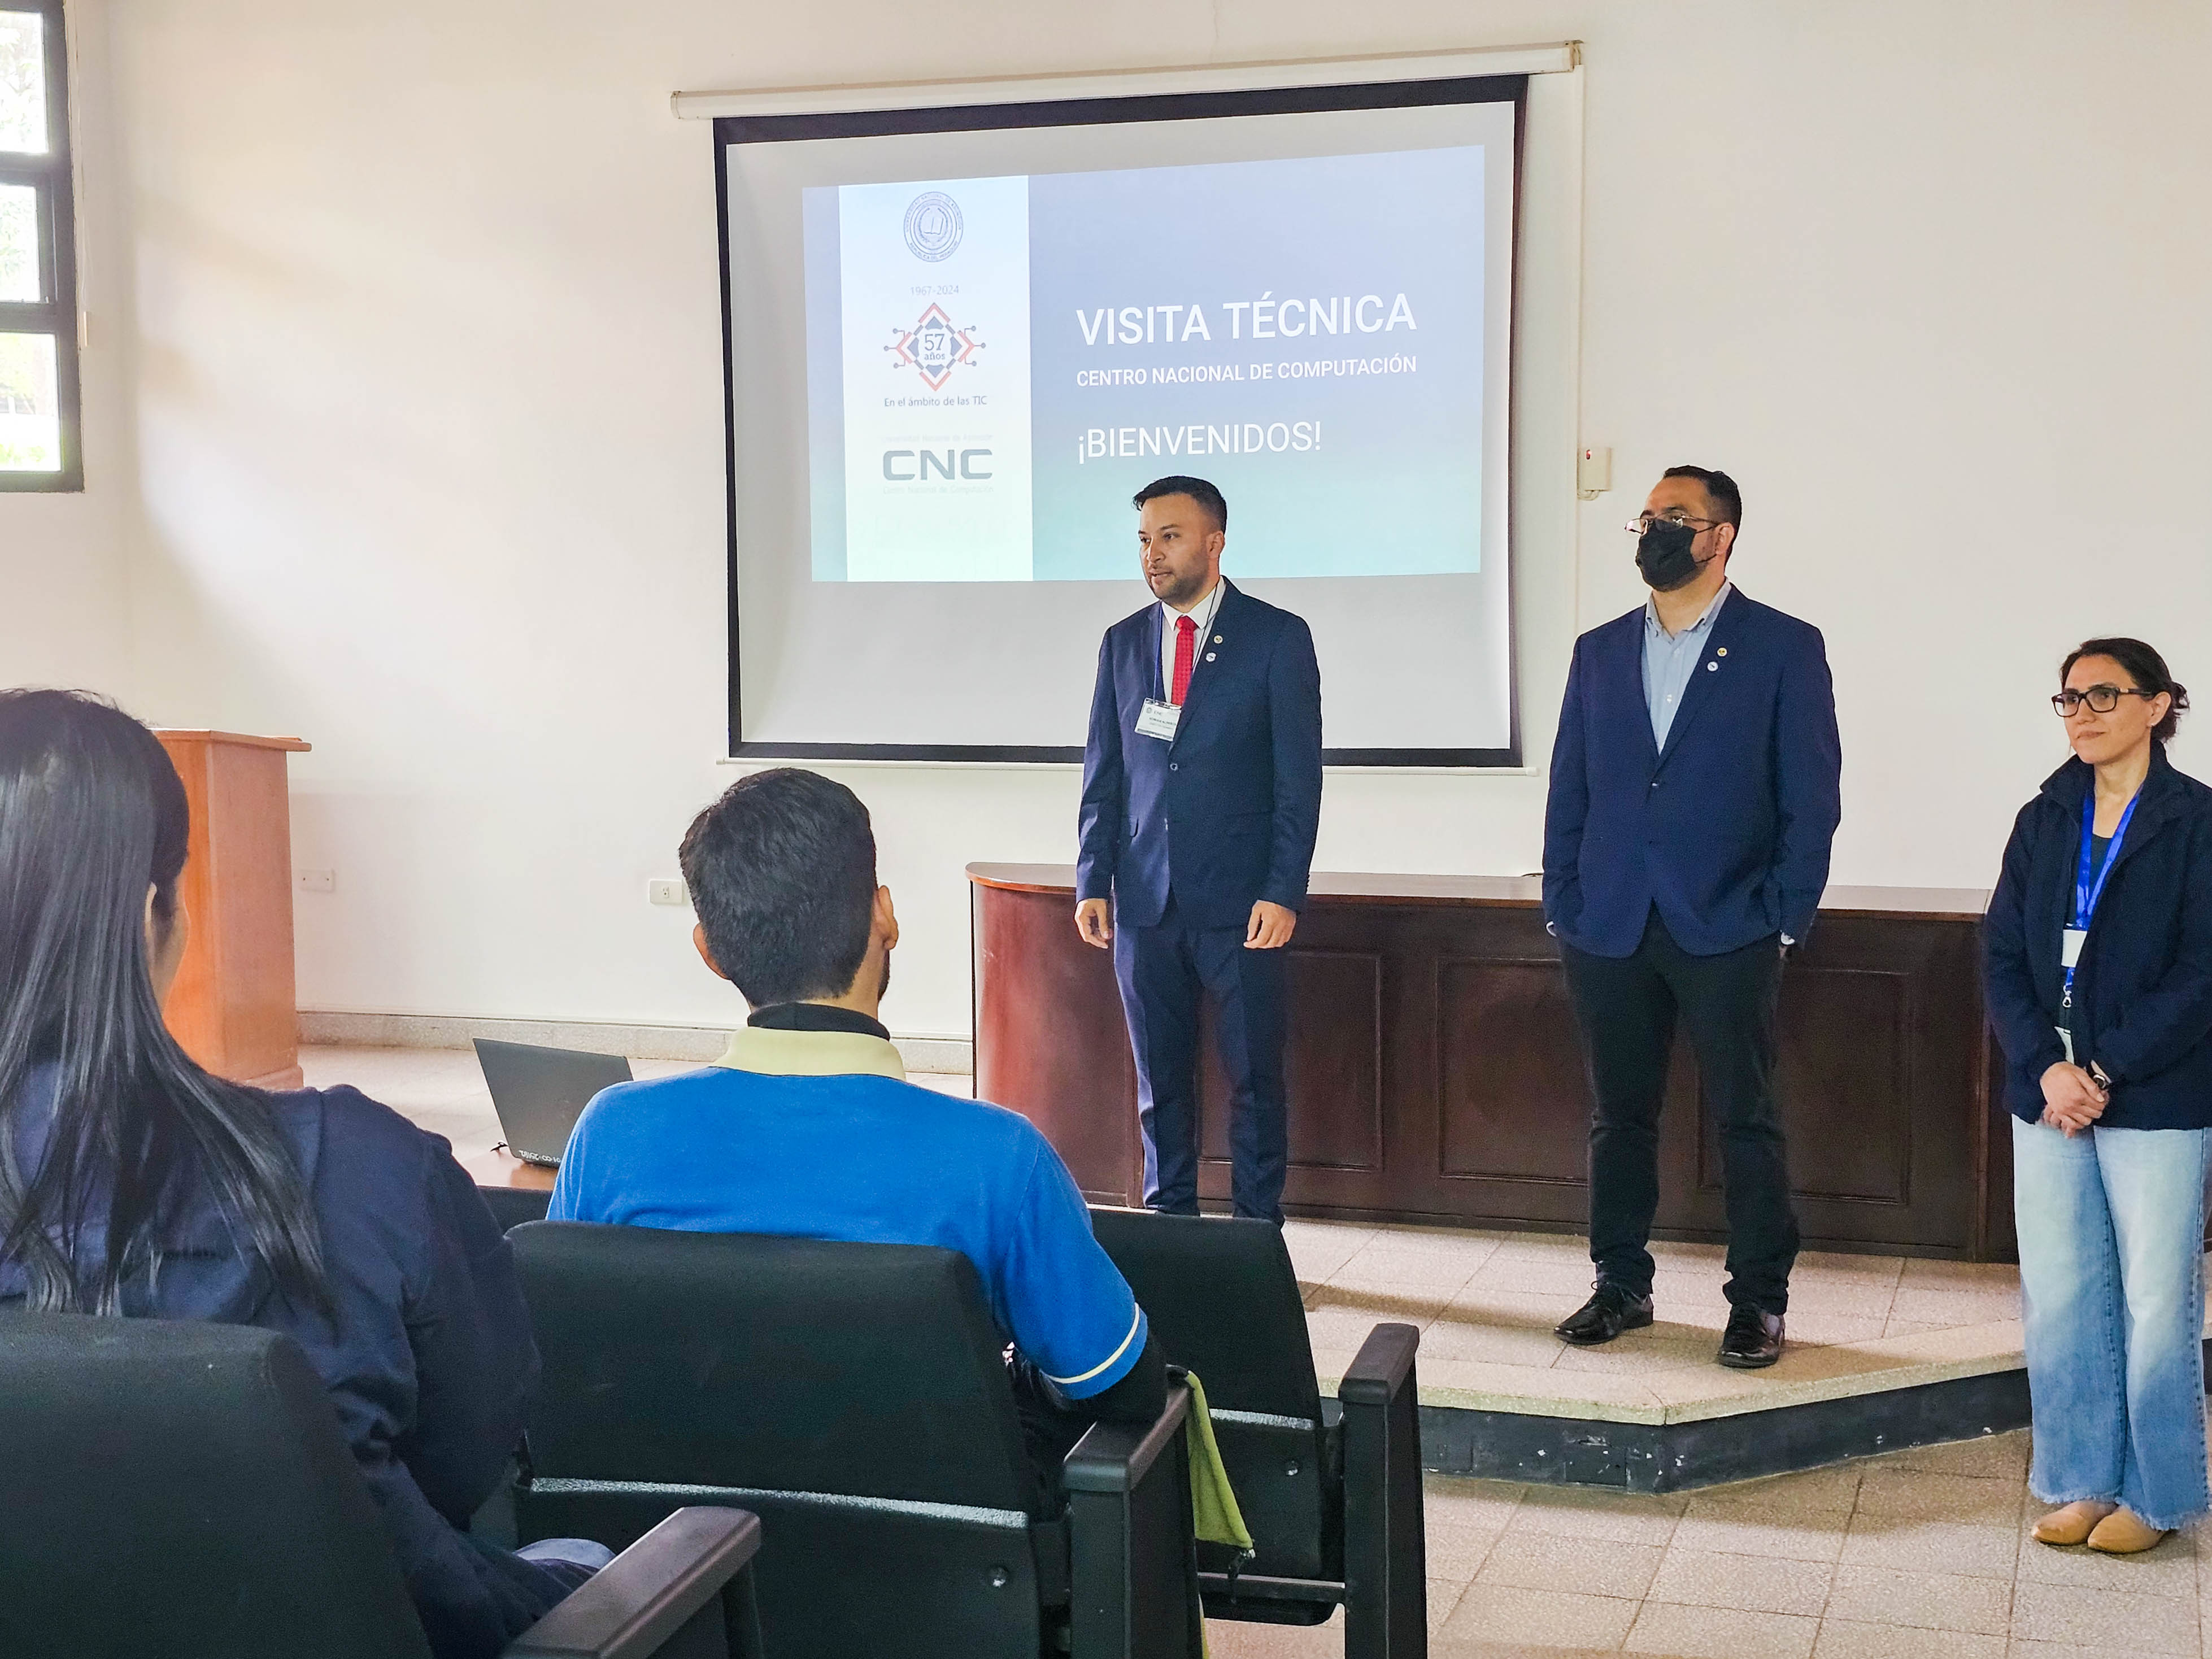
1712,668
1722,651
1209,656
1217,639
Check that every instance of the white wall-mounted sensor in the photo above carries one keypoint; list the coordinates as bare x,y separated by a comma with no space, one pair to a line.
1593,473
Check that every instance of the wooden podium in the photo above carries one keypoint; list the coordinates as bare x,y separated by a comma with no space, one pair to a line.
232,1006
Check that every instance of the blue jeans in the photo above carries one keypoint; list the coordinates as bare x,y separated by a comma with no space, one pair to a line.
2112,1231
573,1561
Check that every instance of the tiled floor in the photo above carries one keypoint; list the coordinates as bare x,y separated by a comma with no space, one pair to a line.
443,1089
1919,1553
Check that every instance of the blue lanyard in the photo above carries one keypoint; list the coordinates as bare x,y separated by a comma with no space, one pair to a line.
2088,888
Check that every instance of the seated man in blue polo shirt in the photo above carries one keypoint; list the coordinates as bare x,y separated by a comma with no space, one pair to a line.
807,1126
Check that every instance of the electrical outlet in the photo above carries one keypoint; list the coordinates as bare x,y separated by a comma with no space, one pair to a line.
316,881
666,893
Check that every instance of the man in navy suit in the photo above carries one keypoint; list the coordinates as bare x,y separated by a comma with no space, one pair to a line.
1694,795
1201,795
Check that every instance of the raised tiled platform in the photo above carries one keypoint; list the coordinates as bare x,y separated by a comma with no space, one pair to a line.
1883,1351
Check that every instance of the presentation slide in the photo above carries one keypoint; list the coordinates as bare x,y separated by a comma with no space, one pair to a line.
955,353
1001,358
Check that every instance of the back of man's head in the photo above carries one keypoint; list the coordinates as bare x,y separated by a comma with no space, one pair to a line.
782,874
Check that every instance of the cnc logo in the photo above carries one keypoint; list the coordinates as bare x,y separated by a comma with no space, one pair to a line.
933,348
932,226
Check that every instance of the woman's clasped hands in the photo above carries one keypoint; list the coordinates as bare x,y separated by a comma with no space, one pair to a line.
2072,1099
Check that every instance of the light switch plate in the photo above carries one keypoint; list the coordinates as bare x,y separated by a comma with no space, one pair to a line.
316,881
666,893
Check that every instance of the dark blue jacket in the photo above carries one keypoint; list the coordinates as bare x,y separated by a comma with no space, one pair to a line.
1226,814
2143,991
430,1364
1727,830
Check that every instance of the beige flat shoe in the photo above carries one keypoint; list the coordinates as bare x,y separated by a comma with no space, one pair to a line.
2124,1532
2072,1523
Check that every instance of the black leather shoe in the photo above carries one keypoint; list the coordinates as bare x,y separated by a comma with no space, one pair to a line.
1611,1311
1752,1340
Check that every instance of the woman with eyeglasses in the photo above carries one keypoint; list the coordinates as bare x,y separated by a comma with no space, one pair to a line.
2098,953
134,1184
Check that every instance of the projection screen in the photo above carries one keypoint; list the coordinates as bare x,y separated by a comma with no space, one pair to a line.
957,341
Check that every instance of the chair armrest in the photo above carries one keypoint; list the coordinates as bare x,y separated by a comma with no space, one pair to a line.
1132,1559
1385,1568
1381,1366
1115,1456
646,1595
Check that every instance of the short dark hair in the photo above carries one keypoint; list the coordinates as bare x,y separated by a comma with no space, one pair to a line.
1197,489
1720,490
782,874
2145,667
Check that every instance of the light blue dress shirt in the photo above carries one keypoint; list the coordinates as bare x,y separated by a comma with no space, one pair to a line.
1670,659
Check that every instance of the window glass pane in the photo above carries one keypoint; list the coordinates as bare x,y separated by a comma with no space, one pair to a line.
23,81
19,244
30,404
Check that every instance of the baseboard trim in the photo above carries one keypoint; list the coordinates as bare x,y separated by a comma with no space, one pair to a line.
699,1043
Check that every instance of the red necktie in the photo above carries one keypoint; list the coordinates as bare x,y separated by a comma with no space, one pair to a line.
1186,640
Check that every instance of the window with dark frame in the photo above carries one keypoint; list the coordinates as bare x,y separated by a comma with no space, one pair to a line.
39,387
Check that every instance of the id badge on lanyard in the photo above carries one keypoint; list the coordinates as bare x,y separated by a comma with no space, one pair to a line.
1158,720
2088,888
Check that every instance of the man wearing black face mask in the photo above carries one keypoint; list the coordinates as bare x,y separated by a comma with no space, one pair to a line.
1694,794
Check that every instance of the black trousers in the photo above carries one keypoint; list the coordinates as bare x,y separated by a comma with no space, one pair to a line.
1626,1008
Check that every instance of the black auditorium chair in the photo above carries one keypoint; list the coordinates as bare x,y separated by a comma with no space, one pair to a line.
856,1397
182,1491
1330,1489
513,1206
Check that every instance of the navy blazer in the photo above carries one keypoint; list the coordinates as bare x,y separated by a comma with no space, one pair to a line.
1226,814
1727,830
2143,991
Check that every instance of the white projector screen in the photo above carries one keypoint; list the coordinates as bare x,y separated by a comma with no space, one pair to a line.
958,341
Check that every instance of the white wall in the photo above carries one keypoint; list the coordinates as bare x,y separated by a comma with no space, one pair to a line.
426,385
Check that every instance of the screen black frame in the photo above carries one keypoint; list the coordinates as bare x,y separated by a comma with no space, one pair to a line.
730,130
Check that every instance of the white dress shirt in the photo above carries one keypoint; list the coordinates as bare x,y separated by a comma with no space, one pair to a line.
1202,614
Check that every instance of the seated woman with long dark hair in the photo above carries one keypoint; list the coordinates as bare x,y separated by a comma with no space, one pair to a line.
132,1183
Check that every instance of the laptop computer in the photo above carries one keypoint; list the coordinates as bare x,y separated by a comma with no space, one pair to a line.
539,1093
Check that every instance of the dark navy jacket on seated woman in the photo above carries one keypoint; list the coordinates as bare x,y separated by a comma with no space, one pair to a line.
2143,991
430,1364
1726,830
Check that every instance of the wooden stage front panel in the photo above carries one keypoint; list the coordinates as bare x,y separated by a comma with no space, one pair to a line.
1434,1074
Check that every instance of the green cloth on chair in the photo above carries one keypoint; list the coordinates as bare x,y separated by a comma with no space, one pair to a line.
1214,1513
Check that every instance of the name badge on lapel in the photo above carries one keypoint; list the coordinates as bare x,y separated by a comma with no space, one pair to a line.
1158,720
